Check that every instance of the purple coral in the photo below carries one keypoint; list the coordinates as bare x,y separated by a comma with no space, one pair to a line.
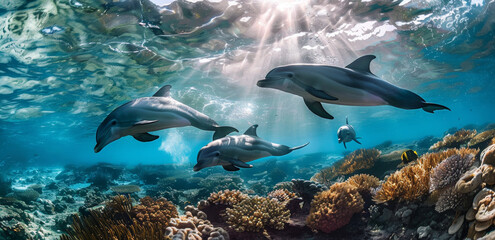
448,172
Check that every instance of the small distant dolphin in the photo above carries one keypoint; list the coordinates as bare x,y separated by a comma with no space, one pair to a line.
232,152
147,114
353,85
346,133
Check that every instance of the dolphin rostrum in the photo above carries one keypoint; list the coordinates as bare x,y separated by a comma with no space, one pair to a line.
147,114
353,85
232,152
346,133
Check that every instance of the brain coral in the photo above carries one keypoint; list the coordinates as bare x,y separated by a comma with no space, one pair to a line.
357,160
454,140
257,213
448,172
227,197
333,209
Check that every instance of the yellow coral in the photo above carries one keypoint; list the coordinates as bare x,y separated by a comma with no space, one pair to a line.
281,195
333,208
227,197
257,213
454,140
357,160
363,182
484,137
150,210
412,182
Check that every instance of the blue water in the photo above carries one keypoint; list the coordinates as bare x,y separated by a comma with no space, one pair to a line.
65,65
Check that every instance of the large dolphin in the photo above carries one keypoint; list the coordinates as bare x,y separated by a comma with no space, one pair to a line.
353,85
346,133
232,152
147,114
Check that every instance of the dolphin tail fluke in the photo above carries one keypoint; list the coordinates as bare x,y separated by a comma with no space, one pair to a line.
430,107
299,147
223,131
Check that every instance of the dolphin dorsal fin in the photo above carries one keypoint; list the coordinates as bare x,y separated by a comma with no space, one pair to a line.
362,64
251,131
346,121
163,92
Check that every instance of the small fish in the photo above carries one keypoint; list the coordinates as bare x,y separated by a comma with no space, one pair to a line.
409,156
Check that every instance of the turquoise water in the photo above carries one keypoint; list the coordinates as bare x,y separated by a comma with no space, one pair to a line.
65,65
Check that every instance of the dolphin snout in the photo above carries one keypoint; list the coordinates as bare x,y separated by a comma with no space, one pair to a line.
98,147
262,83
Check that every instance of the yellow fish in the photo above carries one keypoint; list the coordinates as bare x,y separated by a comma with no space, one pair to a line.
409,156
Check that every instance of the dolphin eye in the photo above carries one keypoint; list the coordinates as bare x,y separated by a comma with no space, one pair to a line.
217,154
290,75
113,123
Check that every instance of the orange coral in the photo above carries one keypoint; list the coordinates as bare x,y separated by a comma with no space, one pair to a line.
412,182
357,160
227,197
363,182
150,210
333,208
454,140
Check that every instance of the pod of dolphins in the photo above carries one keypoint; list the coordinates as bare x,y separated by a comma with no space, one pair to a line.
353,85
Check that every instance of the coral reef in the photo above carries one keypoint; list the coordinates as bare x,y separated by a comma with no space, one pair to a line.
364,183
454,140
357,160
482,140
413,182
307,190
281,195
448,172
149,210
256,214
193,225
27,195
333,208
227,197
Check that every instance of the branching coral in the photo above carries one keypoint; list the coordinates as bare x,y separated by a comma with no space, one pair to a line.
448,172
333,209
227,197
363,182
357,160
454,140
256,214
150,210
413,182
115,221
281,195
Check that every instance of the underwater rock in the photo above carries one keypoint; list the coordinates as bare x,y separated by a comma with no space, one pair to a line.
125,189
27,195
37,187
14,230
151,174
46,206
307,190
277,175
424,232
5,186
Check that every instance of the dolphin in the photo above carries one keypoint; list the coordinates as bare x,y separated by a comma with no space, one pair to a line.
346,133
353,85
233,152
147,114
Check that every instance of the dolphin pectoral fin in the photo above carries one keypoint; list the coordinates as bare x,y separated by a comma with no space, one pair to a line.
163,92
230,168
345,146
320,94
239,163
317,109
145,137
144,122
251,131
431,107
362,64
355,140
223,131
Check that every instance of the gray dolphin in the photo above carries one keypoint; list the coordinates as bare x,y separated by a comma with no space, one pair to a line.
147,114
346,133
232,152
353,85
